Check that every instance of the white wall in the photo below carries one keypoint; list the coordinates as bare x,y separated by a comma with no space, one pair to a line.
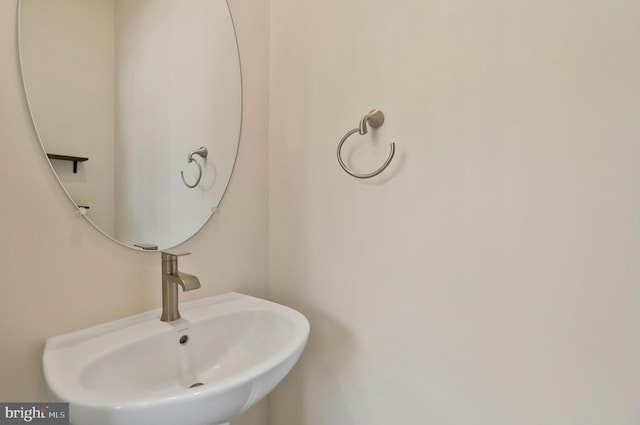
491,275
59,274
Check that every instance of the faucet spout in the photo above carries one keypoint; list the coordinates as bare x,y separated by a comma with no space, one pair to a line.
171,278
188,282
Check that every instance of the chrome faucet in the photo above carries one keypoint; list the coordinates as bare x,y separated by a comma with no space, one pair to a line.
171,278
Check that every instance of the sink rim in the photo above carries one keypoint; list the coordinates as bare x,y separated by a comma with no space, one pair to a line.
65,383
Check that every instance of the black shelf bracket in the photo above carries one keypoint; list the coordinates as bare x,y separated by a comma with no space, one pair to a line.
74,159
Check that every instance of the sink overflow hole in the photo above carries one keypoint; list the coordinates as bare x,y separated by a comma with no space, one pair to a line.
197,384
184,339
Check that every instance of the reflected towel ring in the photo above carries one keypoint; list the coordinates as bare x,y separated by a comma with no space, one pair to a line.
203,152
374,118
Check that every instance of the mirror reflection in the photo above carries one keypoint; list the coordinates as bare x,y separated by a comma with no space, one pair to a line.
122,93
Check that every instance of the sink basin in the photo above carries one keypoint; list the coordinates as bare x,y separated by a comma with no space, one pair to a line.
224,355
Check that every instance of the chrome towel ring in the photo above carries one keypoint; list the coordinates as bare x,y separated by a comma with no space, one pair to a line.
203,152
374,118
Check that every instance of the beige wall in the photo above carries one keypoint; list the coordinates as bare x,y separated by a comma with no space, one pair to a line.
492,274
59,274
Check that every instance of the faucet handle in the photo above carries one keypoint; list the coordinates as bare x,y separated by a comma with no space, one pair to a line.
173,255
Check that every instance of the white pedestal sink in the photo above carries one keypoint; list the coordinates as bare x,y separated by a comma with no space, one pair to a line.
224,355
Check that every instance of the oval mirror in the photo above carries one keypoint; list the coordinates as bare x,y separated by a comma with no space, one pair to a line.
124,94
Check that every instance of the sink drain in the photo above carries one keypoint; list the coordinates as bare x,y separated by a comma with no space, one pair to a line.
197,384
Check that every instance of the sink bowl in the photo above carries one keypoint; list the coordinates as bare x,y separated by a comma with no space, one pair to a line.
224,355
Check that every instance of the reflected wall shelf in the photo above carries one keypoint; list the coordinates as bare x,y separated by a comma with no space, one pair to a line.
75,159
